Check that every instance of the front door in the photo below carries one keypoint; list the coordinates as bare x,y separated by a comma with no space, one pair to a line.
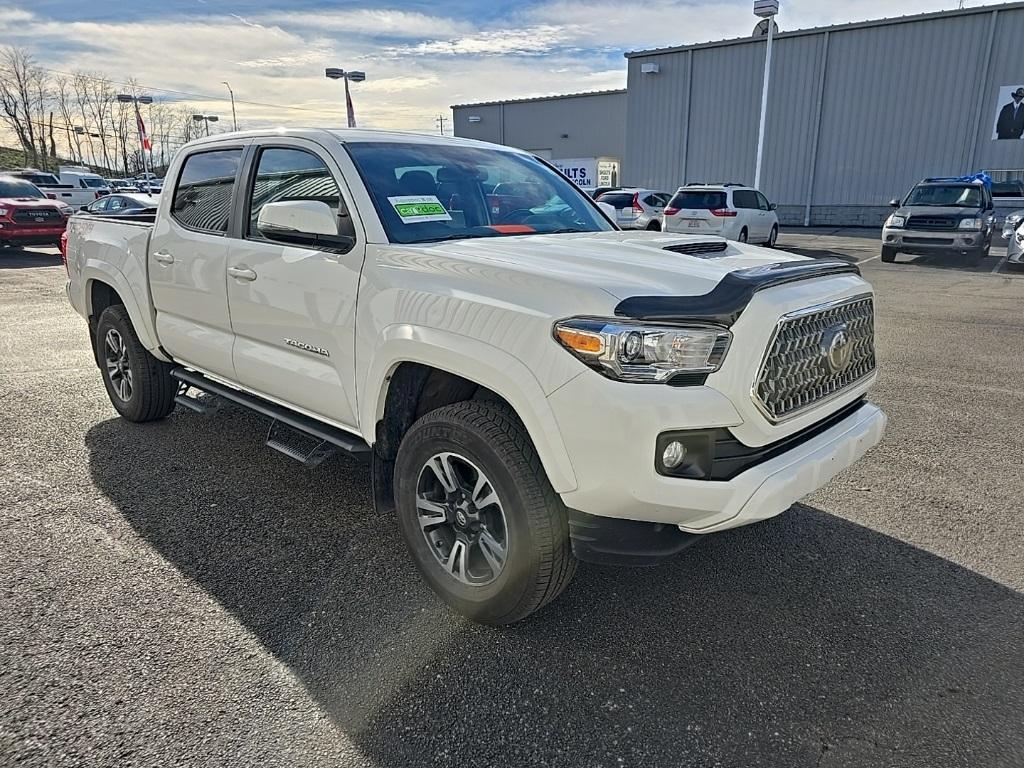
187,256
292,307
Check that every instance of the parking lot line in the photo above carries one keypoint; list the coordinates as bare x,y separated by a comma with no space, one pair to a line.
999,266
865,261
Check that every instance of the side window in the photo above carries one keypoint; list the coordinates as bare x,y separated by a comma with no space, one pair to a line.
116,204
202,199
294,174
100,205
762,202
744,199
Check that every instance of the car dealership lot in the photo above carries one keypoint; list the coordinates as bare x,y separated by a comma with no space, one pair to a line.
177,594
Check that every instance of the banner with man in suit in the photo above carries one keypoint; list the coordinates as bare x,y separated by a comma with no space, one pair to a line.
1009,113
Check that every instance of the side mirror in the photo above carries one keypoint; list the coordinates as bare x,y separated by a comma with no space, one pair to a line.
309,223
84,208
895,203
772,206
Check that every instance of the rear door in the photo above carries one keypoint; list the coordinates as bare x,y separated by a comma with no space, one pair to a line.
622,202
188,257
293,307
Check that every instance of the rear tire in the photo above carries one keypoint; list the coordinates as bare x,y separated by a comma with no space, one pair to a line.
888,254
140,387
519,557
743,235
654,226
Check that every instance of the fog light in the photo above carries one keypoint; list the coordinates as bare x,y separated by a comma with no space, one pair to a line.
673,455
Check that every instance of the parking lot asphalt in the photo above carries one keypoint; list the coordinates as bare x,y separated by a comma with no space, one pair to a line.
177,594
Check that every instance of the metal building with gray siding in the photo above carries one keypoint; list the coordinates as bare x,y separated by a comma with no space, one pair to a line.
857,112
589,126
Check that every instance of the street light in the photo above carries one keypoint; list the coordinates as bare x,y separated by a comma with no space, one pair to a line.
334,73
207,119
144,142
234,119
765,9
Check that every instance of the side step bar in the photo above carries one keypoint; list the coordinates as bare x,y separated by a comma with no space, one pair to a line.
322,437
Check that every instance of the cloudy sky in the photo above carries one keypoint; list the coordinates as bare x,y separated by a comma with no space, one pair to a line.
419,57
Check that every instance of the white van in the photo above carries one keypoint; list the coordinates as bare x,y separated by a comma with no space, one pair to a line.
83,178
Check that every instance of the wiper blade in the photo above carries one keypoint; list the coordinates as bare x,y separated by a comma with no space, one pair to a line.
563,231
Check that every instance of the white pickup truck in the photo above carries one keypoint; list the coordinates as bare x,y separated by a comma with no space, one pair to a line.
529,385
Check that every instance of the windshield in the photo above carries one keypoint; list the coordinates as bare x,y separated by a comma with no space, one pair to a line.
945,195
94,182
429,192
44,179
11,188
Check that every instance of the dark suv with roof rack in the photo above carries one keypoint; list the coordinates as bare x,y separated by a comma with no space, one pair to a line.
941,217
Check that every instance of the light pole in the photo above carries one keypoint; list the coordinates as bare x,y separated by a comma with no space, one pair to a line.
766,9
207,119
234,119
144,143
334,73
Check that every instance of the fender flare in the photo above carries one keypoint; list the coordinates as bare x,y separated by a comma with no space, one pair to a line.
142,322
482,364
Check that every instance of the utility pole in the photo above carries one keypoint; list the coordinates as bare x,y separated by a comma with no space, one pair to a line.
441,120
767,10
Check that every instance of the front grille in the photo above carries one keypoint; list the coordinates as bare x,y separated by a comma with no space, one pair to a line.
939,223
798,370
48,215
696,249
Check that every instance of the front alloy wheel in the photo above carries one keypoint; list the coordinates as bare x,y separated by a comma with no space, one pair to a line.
462,519
115,357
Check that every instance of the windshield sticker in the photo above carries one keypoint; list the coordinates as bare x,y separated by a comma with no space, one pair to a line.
413,209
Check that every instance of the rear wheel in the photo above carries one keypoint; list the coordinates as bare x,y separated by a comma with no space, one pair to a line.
481,520
743,235
654,226
888,254
140,387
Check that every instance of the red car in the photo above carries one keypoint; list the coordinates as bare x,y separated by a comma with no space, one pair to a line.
27,216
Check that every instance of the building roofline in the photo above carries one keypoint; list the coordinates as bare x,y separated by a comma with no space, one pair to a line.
580,95
977,10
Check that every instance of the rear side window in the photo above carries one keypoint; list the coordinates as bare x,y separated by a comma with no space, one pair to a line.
203,198
698,199
617,199
744,198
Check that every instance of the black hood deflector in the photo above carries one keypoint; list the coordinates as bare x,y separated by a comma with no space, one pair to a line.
724,304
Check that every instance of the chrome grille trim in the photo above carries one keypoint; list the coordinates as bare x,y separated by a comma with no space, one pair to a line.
793,376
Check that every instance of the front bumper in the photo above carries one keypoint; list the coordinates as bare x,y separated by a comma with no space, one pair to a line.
930,241
614,461
16,235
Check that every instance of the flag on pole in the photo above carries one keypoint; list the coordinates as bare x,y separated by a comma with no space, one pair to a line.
143,137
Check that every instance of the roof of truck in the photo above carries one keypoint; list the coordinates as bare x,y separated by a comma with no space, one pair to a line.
351,135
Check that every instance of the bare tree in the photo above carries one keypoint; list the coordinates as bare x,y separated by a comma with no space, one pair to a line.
23,98
67,107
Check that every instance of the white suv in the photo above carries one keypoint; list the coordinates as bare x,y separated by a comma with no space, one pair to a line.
733,211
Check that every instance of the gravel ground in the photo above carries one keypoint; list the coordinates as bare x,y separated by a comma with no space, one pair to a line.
177,594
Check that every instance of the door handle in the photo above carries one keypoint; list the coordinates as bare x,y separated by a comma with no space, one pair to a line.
242,273
163,257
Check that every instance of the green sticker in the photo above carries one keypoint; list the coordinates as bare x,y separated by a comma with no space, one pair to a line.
414,209
408,210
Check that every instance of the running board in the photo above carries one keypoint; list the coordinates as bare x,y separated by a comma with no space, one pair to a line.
315,441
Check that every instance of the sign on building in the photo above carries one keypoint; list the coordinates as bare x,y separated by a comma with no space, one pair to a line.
580,170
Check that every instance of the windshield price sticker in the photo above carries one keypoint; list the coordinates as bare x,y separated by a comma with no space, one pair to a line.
413,209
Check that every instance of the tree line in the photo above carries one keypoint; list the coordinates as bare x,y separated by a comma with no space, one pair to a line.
55,117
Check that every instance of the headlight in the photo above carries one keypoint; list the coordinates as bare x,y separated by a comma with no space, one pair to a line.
3,211
896,221
974,224
637,352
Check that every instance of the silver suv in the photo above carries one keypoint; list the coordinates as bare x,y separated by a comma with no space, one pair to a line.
637,208
940,216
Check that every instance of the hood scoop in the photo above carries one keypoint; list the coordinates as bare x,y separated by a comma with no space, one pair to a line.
699,249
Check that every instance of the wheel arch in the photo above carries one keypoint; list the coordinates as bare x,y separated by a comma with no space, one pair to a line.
107,287
417,370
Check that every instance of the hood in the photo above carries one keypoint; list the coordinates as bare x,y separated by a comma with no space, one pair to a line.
953,211
622,263
30,202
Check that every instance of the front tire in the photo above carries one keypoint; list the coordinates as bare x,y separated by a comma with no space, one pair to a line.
888,254
485,528
772,238
140,387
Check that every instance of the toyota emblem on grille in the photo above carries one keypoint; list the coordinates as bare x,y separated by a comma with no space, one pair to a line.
836,348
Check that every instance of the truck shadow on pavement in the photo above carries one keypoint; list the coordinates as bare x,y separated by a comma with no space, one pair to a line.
17,258
805,641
